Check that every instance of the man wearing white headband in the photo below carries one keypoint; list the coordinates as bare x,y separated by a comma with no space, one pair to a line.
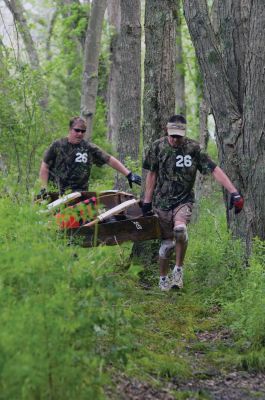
172,163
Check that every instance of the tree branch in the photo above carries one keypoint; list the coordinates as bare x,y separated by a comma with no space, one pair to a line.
18,12
50,33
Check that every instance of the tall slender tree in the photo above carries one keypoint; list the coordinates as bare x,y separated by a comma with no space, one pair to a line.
129,84
18,12
90,74
159,85
232,64
204,139
180,70
114,18
19,15
159,67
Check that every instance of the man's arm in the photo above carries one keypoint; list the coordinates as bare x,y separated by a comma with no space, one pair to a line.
236,200
44,175
223,179
116,164
150,184
132,178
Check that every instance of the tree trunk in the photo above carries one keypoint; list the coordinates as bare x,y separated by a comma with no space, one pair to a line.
50,33
231,24
160,71
204,139
159,86
129,86
114,16
18,13
180,70
90,74
232,65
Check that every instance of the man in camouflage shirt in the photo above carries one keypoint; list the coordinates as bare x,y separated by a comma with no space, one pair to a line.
172,163
67,162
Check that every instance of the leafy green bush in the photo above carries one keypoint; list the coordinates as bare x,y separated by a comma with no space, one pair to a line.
23,124
217,272
61,319
246,314
215,261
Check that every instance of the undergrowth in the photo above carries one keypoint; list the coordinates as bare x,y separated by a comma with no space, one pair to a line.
72,317
61,319
220,295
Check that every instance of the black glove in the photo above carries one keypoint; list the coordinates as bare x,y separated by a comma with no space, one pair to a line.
42,194
236,201
147,209
134,178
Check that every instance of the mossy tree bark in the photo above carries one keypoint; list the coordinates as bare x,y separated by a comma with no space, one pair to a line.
232,64
159,86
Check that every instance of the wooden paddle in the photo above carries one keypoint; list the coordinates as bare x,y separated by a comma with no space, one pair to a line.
115,210
63,200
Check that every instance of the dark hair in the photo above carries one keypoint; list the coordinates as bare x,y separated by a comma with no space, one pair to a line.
73,120
178,118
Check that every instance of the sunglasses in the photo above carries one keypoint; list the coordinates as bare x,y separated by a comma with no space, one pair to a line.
175,136
79,130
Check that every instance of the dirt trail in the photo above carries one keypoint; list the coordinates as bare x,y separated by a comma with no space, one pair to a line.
207,383
233,386
210,379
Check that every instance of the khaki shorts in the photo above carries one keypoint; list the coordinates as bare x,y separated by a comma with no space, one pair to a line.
168,218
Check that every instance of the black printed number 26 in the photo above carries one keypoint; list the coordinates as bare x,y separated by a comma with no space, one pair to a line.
183,161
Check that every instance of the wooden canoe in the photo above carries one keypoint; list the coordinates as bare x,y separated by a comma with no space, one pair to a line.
128,225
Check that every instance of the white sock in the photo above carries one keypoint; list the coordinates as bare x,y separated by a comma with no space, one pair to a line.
162,278
177,268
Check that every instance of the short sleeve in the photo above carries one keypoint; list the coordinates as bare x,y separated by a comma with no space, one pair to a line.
151,160
205,164
50,154
99,156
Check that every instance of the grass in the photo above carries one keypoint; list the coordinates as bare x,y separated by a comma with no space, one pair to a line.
83,315
183,333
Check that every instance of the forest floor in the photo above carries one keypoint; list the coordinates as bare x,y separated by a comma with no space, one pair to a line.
181,351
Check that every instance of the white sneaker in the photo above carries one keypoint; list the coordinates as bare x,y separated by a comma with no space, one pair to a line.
164,284
177,278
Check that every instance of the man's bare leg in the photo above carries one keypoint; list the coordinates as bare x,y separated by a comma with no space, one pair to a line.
181,248
163,266
165,251
181,237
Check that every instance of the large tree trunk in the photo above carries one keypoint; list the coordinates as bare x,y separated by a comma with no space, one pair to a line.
129,86
90,75
159,67
232,65
114,17
159,86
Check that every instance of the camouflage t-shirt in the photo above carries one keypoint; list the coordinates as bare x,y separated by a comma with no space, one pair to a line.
70,164
176,169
